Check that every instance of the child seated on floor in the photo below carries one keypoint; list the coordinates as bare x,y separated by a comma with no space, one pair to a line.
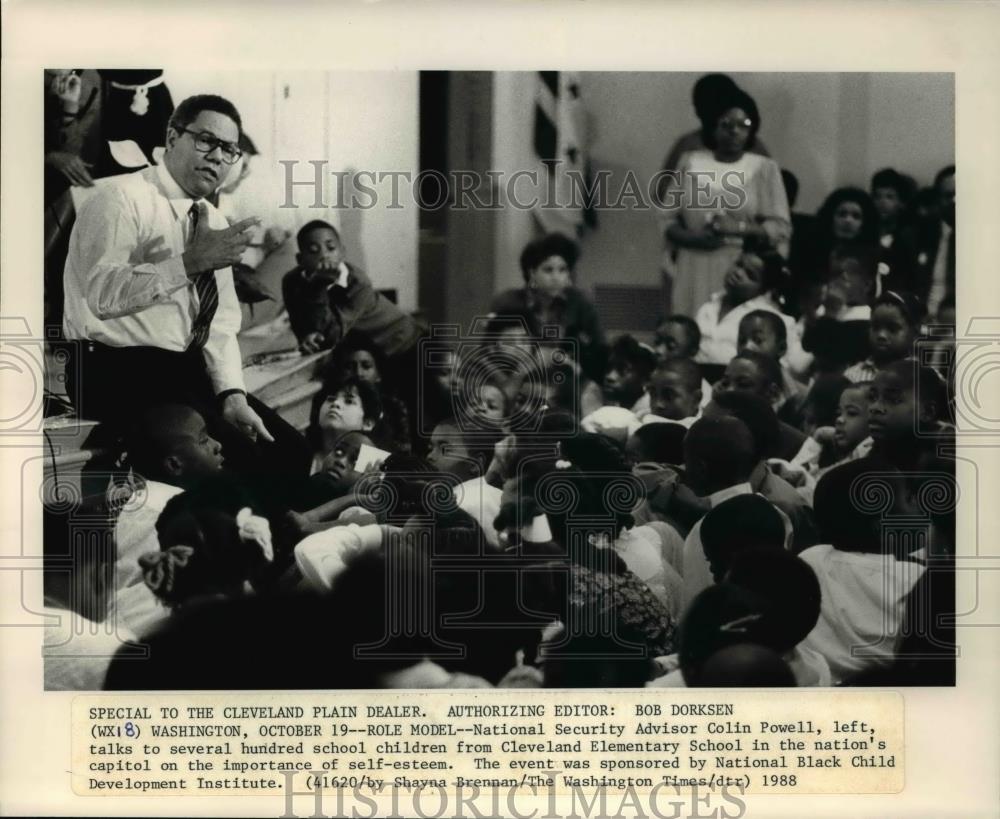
674,391
741,523
766,479
767,333
169,450
758,374
836,332
832,441
678,336
211,543
863,586
358,357
894,328
350,405
908,412
466,455
775,597
726,639
629,367
749,286
327,297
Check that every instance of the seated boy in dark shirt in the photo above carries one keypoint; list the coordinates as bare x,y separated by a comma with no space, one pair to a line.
326,297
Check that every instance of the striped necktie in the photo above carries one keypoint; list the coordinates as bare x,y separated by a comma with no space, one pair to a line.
208,296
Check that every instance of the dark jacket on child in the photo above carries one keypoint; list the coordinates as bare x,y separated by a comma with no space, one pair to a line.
317,303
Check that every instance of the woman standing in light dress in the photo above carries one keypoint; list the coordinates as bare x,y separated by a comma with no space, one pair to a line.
720,196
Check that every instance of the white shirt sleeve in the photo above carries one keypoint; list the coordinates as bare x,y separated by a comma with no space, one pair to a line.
110,259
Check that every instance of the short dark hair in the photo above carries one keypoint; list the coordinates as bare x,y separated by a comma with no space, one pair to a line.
690,327
894,180
758,416
554,244
189,109
738,524
777,324
626,349
788,583
149,438
725,445
309,227
685,369
662,443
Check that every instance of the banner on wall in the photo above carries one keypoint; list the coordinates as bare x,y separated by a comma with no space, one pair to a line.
561,144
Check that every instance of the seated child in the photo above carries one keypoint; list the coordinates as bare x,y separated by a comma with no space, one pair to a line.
327,297
210,543
356,356
893,330
337,473
466,455
790,586
749,286
863,588
169,450
657,444
836,333
737,525
907,412
843,440
760,375
678,336
347,406
629,367
766,332
674,391
720,456
726,639
766,480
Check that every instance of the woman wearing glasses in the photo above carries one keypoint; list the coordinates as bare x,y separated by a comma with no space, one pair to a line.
149,296
718,197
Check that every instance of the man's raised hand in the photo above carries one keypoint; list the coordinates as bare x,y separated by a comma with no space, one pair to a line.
211,249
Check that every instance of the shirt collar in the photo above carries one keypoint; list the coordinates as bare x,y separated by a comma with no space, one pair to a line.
859,312
180,202
158,493
729,492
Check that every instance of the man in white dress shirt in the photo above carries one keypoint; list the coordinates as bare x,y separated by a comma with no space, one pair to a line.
149,293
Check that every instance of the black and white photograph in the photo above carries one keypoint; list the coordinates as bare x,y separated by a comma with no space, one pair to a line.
567,409
421,379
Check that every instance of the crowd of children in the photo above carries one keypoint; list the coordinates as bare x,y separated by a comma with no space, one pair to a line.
754,498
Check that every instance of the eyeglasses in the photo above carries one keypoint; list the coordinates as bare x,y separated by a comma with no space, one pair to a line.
206,143
731,124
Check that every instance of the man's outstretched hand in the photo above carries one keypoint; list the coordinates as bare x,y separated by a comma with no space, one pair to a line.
239,413
214,249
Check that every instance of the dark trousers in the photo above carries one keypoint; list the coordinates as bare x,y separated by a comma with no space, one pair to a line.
113,384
